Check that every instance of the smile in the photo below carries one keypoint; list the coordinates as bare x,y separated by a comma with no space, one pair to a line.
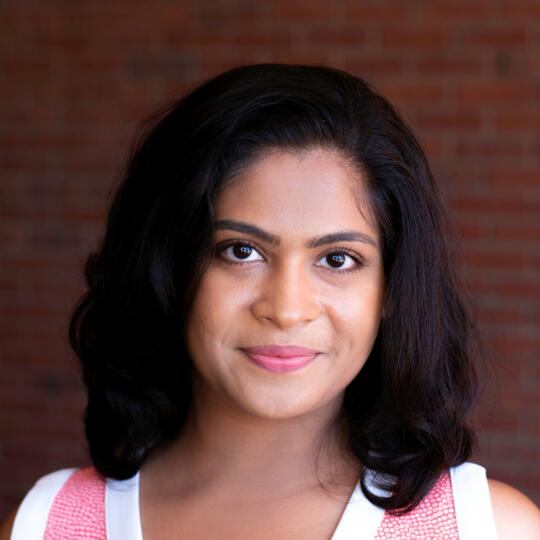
279,364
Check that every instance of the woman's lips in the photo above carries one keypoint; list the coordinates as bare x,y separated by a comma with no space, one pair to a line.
281,351
281,359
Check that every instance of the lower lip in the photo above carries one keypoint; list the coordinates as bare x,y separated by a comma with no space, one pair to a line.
281,365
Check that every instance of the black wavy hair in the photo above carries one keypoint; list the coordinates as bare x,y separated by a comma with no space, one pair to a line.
406,410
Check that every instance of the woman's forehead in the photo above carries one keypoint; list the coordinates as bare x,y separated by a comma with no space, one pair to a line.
297,187
301,194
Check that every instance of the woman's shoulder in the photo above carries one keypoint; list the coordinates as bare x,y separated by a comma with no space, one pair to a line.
43,490
516,516
31,518
74,480
479,500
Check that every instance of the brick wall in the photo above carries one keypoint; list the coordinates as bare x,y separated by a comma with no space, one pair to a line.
75,79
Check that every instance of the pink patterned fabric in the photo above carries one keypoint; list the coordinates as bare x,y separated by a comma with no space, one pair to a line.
78,510
434,517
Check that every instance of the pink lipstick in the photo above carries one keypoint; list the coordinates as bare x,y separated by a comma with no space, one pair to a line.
281,359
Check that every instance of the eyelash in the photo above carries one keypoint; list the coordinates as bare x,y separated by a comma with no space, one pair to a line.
360,261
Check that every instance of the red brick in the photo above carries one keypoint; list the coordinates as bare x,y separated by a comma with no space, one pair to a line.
514,176
210,39
74,215
459,120
364,65
254,38
495,206
495,148
181,14
514,395
495,230
495,92
296,10
499,315
458,10
532,63
23,67
518,121
434,148
416,37
502,420
528,9
515,288
450,64
412,92
362,12
515,261
496,37
337,37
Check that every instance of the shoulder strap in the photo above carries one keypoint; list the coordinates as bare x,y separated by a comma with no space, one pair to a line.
32,514
472,502
122,509
434,517
78,510
360,518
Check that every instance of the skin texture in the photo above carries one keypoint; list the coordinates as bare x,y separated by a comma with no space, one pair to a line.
516,516
286,294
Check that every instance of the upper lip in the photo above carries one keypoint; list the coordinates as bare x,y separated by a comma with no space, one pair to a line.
281,351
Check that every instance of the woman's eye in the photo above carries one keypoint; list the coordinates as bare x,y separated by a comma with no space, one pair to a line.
341,261
239,252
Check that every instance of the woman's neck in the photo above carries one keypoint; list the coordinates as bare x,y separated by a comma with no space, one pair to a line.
222,447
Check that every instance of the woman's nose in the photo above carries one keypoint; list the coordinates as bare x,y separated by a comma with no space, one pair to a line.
287,297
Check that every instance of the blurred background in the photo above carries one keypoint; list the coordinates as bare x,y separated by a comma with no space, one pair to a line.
77,77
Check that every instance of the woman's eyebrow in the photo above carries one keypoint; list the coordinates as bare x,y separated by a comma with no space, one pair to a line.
253,230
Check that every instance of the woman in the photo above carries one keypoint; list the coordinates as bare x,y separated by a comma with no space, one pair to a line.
272,341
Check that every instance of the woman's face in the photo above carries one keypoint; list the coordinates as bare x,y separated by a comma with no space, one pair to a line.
280,277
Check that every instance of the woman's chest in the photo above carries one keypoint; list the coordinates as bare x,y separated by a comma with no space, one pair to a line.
313,517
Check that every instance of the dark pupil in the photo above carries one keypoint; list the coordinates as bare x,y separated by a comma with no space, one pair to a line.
241,251
337,258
